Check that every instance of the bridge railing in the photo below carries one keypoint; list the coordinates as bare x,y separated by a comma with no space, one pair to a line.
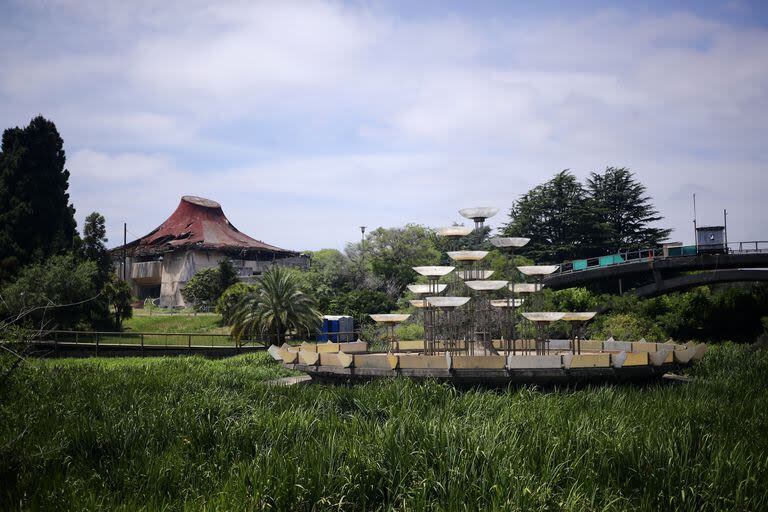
620,258
748,247
146,339
609,260
176,340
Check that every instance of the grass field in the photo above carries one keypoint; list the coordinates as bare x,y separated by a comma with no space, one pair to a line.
202,323
194,434
162,329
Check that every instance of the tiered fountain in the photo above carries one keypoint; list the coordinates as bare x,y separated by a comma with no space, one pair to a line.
470,331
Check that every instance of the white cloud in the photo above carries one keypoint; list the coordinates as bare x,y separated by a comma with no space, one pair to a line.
319,114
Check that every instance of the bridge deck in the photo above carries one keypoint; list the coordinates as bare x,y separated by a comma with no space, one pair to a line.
658,267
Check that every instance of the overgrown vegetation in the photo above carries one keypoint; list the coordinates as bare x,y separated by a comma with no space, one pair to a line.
206,287
708,313
50,277
36,217
274,307
175,323
193,434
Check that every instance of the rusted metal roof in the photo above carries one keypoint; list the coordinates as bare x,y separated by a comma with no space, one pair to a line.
199,223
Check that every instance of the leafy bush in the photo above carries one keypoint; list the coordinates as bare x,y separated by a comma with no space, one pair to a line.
410,331
208,284
360,303
626,328
227,303
202,291
118,293
59,293
575,299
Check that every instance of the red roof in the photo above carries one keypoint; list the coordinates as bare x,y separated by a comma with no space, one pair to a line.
199,223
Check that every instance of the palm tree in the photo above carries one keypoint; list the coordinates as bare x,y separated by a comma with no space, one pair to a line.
275,305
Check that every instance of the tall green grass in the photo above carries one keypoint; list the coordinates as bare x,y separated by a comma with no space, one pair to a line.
175,323
191,434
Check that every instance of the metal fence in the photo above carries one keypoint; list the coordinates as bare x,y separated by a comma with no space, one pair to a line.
611,260
141,340
147,339
641,255
750,247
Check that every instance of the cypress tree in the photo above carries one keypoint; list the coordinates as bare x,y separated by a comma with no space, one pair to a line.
36,217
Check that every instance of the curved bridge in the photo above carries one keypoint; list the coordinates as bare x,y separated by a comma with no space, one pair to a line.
700,279
652,275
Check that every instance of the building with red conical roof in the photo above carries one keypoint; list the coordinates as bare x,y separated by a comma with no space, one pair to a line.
197,235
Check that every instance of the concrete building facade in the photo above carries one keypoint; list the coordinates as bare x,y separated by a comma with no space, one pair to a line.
197,235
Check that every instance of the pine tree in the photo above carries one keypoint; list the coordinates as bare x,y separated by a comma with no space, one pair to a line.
557,218
624,211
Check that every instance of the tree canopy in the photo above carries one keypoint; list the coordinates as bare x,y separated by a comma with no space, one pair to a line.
206,287
94,245
391,254
623,211
36,217
59,293
556,217
566,220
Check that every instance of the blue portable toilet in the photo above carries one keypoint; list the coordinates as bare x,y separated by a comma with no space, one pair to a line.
323,336
337,328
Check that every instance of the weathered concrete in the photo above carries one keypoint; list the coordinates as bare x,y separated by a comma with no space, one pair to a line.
423,362
684,356
661,357
587,361
617,345
308,358
289,381
514,362
379,361
336,359
475,362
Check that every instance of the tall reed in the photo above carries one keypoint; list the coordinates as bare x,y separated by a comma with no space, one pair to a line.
193,434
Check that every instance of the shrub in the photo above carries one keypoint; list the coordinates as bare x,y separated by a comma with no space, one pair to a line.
360,303
232,296
202,291
627,328
410,331
60,280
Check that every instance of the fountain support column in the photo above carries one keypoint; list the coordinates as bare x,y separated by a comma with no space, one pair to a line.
542,320
578,320
390,322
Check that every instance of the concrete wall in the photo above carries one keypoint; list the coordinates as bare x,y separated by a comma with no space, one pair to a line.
178,268
173,272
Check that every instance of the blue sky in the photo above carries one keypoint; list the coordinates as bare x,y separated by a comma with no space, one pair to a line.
308,119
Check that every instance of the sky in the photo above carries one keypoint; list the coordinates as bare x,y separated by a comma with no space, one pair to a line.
306,120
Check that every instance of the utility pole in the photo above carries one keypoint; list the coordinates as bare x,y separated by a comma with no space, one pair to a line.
695,233
125,242
725,228
362,243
